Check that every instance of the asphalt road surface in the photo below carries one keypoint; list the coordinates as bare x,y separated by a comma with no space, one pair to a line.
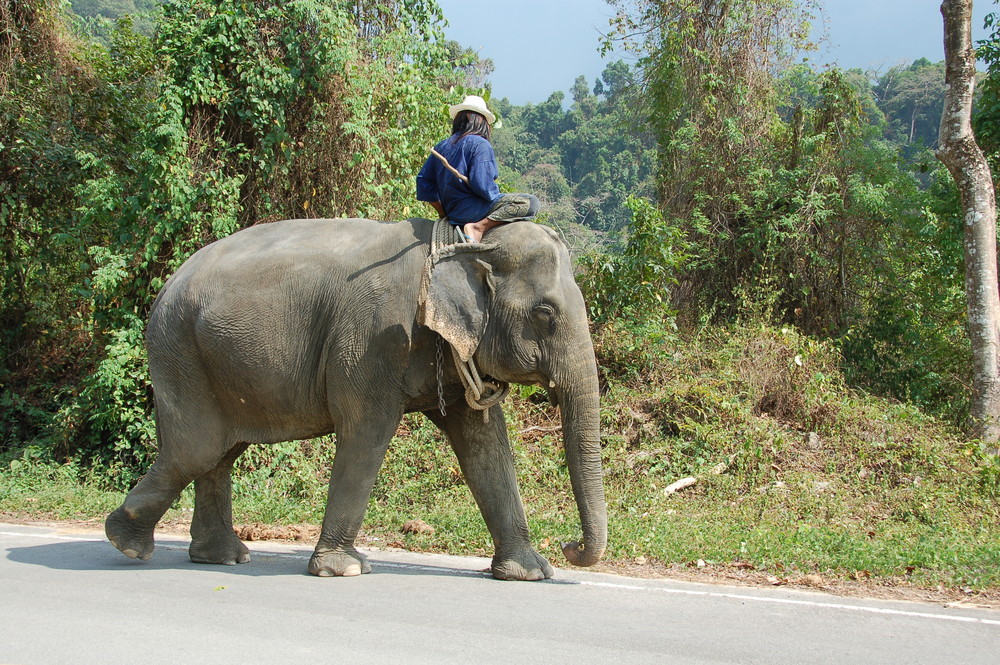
70,597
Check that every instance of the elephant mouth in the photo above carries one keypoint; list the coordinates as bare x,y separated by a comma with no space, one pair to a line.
525,378
482,391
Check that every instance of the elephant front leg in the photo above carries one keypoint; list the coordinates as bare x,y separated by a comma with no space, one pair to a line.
360,452
483,452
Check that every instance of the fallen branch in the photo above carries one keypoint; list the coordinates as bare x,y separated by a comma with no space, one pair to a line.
679,485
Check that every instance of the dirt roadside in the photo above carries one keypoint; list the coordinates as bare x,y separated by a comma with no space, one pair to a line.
742,575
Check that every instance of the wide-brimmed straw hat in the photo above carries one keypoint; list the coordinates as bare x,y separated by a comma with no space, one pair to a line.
473,103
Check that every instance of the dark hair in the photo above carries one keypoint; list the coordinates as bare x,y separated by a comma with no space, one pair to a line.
469,122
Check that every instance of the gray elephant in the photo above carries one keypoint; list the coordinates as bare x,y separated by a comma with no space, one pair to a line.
297,329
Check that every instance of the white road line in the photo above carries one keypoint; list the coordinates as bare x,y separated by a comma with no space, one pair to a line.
50,536
809,603
606,585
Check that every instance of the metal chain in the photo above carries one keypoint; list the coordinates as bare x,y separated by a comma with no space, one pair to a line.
440,375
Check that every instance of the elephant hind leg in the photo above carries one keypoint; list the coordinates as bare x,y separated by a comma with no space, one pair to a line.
130,527
184,455
212,537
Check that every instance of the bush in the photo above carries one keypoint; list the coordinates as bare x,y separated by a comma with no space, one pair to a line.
254,112
632,282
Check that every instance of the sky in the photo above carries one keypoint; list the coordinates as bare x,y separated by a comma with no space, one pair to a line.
540,46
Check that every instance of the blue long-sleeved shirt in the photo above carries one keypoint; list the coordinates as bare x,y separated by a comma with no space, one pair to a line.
472,156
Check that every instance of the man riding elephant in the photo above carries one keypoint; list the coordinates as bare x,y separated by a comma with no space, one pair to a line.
458,179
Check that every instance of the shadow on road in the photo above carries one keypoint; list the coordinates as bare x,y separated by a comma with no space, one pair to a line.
172,555
96,555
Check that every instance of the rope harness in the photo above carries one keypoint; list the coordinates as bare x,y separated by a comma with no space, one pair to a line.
480,394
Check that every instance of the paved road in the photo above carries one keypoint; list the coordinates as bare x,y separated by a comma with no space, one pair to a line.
70,597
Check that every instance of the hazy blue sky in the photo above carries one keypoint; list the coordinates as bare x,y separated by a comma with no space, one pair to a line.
540,46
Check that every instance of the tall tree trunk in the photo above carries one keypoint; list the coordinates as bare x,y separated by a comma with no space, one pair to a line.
960,153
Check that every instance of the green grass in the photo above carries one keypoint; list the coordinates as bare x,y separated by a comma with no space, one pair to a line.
796,473
35,485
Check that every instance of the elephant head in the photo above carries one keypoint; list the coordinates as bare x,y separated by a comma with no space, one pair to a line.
512,304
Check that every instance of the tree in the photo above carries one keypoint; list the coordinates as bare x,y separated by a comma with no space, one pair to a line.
911,98
616,78
113,8
967,164
64,106
709,70
98,16
795,207
546,121
604,151
468,69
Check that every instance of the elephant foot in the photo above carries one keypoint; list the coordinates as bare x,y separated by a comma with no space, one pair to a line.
225,549
526,565
134,541
346,562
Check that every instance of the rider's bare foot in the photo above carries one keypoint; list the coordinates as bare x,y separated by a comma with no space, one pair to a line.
476,230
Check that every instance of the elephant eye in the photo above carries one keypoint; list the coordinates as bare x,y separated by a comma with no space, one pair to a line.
545,319
545,311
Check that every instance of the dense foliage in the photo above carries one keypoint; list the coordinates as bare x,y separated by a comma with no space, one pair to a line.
714,181
62,102
98,16
124,160
807,198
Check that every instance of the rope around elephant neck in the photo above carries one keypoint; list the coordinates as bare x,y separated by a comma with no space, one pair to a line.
479,394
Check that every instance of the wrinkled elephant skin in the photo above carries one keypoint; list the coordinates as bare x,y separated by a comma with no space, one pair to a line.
301,328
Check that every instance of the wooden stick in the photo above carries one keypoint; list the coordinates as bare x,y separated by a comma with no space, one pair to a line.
449,166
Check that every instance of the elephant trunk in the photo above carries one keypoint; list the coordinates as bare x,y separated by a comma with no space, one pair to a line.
580,408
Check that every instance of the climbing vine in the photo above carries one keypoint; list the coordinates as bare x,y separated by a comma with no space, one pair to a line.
238,113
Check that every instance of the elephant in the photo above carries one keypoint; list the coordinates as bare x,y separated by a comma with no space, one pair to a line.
300,328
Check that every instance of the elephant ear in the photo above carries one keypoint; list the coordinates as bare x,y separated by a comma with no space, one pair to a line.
453,298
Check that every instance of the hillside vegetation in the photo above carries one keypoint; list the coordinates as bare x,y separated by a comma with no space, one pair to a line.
799,479
771,257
